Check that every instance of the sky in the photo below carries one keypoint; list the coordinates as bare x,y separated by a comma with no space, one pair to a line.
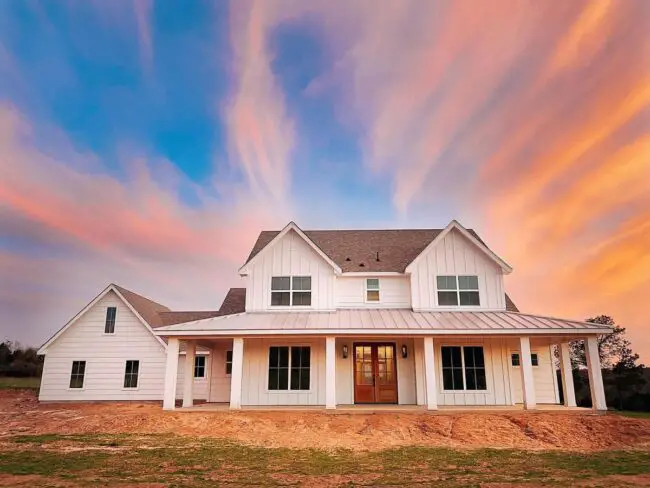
148,143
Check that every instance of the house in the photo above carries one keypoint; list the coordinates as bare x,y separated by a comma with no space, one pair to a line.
330,318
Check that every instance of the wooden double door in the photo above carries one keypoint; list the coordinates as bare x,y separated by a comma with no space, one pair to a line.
375,373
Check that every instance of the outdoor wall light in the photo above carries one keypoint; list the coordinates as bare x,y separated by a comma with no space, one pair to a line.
345,351
405,351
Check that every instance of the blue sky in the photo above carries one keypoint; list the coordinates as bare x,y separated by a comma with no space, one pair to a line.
148,143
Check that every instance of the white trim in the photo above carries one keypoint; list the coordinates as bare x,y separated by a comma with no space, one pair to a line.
578,333
111,287
244,270
430,373
237,373
171,373
330,372
371,274
527,376
454,224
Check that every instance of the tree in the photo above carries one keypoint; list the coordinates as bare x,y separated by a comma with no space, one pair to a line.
611,347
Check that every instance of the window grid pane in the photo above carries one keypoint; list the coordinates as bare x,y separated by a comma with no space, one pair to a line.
280,298
131,374
372,284
199,367
372,295
281,283
109,326
447,298
278,368
77,374
452,368
302,283
302,298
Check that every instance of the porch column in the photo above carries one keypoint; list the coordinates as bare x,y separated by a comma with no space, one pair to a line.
430,374
568,389
188,377
171,372
595,374
527,380
237,372
330,372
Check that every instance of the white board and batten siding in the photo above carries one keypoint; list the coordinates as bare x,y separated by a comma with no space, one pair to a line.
456,255
289,256
215,386
105,356
544,375
394,292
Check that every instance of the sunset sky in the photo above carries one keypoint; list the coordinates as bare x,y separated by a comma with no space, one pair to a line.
148,144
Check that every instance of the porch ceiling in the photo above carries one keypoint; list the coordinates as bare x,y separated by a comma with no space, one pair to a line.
382,322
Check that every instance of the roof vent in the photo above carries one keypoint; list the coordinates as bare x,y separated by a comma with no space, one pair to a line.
348,259
361,265
377,255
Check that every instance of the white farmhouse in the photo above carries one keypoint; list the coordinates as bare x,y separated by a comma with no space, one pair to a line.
330,318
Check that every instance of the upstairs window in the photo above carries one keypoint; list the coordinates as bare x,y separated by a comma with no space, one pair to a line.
77,374
131,374
109,325
458,290
228,362
289,367
290,291
199,366
372,290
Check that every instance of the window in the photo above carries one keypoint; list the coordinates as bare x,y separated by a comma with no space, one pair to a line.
109,326
77,374
290,291
372,290
199,366
458,290
463,368
289,367
228,362
516,359
131,374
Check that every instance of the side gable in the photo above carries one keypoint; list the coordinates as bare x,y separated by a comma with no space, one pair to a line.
145,306
470,236
261,248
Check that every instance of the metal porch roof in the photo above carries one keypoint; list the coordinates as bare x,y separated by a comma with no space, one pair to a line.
381,321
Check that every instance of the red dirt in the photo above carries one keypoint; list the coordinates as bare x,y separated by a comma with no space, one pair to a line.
20,413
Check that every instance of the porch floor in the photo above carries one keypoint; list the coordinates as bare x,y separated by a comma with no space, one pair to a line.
367,409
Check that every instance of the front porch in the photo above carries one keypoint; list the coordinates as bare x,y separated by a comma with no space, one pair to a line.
267,373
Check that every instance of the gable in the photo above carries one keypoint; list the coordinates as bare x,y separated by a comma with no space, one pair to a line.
114,294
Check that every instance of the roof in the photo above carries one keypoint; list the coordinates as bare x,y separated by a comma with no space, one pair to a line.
386,321
350,248
147,308
234,302
510,305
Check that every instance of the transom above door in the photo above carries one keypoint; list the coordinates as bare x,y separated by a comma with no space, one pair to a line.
375,373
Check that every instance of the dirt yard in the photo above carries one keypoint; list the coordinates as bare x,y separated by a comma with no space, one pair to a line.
21,414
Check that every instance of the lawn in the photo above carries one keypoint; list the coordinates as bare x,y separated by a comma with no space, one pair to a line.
31,383
636,415
82,460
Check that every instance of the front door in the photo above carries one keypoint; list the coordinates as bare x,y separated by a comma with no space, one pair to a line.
375,373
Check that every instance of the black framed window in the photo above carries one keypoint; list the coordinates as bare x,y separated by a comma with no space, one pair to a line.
199,366
77,374
458,290
228,362
452,368
290,291
131,373
463,368
474,368
109,325
534,358
516,359
289,367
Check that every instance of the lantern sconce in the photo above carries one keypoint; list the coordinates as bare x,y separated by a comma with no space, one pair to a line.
405,351
345,351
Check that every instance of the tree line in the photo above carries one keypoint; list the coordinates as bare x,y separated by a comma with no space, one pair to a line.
18,361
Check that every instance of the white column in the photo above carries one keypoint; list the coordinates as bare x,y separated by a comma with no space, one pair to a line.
330,372
171,372
527,380
188,376
595,374
237,372
420,381
568,389
430,374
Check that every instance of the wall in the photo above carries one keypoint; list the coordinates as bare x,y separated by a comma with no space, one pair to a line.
394,292
215,387
546,388
255,375
105,357
290,256
345,371
455,255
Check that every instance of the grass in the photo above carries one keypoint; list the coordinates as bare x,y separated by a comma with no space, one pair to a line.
175,461
638,415
30,383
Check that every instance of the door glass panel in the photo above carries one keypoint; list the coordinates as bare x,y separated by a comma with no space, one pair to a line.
363,355
385,373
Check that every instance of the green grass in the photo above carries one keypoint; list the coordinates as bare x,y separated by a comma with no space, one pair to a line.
30,383
177,461
639,415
